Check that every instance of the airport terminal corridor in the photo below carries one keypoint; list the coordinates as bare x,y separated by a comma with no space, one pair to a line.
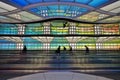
59,39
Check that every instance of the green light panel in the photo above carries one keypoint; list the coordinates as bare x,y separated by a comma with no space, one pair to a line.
59,41
57,27
34,29
112,44
88,41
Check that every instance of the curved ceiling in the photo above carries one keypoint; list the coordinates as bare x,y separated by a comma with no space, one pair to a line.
96,11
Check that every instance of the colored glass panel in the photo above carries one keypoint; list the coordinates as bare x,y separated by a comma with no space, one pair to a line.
59,41
83,1
58,11
7,45
110,29
89,42
50,0
34,1
8,29
66,0
32,44
84,29
34,29
20,2
96,3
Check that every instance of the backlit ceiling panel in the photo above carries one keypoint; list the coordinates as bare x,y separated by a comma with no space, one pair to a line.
37,10
58,11
92,16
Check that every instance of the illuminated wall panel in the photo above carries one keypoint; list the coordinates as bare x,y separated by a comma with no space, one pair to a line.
7,45
59,41
59,30
32,44
34,29
84,29
77,43
110,29
88,41
112,44
8,29
58,27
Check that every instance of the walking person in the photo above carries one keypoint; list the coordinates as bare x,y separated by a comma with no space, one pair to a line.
87,49
71,53
24,49
58,50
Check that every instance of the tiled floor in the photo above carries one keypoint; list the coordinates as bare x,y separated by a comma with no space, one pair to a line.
40,61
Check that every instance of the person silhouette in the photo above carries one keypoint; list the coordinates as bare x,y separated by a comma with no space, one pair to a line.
64,48
58,50
64,24
24,49
87,49
70,50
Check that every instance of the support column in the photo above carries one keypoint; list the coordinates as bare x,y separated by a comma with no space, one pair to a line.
47,40
46,27
73,45
72,28
98,31
73,42
46,46
21,31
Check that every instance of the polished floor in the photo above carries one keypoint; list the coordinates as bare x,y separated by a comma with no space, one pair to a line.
41,61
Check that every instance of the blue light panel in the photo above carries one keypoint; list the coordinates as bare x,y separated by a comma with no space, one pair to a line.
32,44
83,1
34,1
5,41
64,7
7,45
50,0
96,3
30,40
8,29
59,10
20,2
66,0
93,3
54,7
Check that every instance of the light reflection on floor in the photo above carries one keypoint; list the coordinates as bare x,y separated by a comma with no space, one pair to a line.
12,62
48,60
